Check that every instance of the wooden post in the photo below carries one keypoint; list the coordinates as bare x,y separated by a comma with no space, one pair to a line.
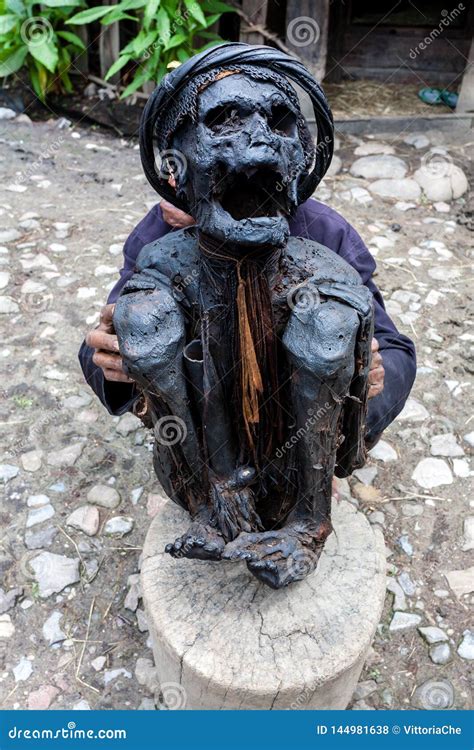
256,12
211,655
307,23
466,92
81,63
109,47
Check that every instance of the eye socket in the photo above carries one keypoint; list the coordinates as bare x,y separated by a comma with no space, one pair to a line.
282,120
220,116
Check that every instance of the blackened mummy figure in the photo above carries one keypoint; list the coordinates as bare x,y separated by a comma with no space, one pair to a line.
251,349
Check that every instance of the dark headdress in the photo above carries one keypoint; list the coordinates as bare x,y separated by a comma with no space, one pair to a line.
176,95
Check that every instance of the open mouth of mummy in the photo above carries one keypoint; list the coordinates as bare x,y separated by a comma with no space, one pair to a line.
253,193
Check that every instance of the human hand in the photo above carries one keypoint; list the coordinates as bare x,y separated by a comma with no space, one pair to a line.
174,216
104,340
376,372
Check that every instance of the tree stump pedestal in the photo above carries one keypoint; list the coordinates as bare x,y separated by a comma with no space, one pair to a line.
223,640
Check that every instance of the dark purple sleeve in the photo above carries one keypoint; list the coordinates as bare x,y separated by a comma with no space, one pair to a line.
318,222
119,397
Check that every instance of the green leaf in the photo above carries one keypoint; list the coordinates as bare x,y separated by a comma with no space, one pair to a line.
195,11
138,81
171,7
91,14
159,73
211,35
150,11
131,4
175,41
64,59
117,15
13,62
182,55
211,19
66,81
16,6
215,6
45,53
117,65
7,22
142,41
72,39
34,78
163,25
129,48
62,3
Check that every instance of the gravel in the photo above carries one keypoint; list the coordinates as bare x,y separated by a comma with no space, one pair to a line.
63,445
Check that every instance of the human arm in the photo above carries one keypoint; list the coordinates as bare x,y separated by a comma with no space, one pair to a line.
98,355
322,224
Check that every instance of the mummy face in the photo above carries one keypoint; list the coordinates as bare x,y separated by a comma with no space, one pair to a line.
242,161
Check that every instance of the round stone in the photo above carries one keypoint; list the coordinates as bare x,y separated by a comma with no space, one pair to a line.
85,519
103,495
447,185
379,166
397,189
373,147
445,445
8,471
223,640
466,647
413,411
335,166
31,461
418,140
432,472
118,526
440,654
383,451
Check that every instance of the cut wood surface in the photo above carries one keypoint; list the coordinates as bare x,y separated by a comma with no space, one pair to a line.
229,642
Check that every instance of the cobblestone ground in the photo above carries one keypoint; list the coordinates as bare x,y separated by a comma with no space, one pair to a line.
79,487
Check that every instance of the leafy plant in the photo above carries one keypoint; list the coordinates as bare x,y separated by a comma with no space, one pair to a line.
33,35
166,34
23,402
